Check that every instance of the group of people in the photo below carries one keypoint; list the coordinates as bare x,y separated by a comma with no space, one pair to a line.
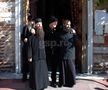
54,46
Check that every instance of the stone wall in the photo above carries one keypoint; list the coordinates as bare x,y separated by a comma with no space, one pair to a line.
7,35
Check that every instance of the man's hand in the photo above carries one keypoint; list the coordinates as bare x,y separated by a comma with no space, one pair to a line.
33,31
30,59
25,40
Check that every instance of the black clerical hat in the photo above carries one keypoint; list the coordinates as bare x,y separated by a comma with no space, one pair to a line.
38,20
52,19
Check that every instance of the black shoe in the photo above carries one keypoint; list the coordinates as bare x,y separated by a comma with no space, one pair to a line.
53,85
67,85
60,85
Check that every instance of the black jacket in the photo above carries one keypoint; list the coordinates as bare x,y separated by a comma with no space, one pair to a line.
67,45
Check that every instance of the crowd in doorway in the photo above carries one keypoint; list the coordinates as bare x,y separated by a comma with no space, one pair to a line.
51,49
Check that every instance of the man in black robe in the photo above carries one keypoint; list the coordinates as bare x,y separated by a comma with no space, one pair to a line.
52,51
68,39
37,57
24,37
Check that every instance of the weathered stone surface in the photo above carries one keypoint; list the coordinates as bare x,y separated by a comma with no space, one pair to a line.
7,35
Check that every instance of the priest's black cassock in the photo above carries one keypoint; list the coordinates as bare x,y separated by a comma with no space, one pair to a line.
38,67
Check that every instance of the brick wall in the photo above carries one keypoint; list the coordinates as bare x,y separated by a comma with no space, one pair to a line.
7,35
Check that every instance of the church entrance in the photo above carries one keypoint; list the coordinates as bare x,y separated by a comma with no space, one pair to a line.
71,9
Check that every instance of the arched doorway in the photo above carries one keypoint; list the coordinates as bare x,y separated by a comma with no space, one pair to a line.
71,9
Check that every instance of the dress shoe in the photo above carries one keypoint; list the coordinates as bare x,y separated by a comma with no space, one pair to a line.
67,85
60,85
53,85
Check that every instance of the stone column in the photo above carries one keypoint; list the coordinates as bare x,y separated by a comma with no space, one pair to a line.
18,27
89,36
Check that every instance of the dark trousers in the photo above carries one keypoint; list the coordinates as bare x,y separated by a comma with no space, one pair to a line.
25,63
25,70
54,65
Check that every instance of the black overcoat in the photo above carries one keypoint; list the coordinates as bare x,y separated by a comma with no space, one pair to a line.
51,46
25,34
67,56
67,45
